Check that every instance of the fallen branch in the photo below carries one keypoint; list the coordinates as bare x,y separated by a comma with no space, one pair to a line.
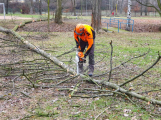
71,71
101,113
39,51
26,94
122,64
110,62
131,93
159,57
26,22
74,89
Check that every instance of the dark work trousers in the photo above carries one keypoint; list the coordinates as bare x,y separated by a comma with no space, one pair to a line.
91,55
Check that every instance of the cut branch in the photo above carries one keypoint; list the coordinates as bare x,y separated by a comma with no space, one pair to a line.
159,57
71,71
110,61
123,63
39,51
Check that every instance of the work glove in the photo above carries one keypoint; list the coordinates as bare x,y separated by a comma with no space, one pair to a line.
81,57
80,54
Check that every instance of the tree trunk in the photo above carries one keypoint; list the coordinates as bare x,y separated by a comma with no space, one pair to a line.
48,14
40,7
122,6
128,15
141,12
58,14
31,7
96,15
81,7
73,6
7,6
146,8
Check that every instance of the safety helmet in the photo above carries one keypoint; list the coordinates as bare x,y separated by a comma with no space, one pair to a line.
79,29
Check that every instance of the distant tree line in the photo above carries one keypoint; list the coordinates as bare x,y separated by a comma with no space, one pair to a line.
116,6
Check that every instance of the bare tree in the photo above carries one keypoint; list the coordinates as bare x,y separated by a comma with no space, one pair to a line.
96,14
58,14
128,15
31,6
150,4
40,7
7,2
122,6
73,6
141,11
146,11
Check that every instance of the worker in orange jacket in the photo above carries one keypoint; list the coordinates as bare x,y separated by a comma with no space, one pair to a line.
84,36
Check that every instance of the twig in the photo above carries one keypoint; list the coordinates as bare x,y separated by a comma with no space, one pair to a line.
150,91
127,97
110,61
122,64
101,113
73,49
99,90
26,94
94,96
28,79
13,92
159,57
75,89
66,79
131,93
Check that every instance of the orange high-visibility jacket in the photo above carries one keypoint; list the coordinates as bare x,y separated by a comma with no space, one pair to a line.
86,37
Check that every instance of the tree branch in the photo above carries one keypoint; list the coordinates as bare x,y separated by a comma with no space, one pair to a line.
159,57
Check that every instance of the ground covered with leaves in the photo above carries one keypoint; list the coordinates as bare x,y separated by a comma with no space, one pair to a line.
32,87
140,25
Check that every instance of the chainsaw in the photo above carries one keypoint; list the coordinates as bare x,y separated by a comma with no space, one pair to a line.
79,60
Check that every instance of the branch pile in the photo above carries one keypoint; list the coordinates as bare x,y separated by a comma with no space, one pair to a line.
48,65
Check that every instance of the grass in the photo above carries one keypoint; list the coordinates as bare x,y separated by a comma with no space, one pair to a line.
103,108
25,15
44,105
125,46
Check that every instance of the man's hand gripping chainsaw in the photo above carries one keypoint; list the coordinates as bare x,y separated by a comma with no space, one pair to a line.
81,57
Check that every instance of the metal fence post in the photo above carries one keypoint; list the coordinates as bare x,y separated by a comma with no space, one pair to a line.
118,26
3,9
110,22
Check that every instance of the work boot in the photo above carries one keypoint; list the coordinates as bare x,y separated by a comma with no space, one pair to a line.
90,73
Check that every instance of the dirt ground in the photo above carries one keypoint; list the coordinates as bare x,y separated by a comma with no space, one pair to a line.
12,17
140,25
69,24
17,97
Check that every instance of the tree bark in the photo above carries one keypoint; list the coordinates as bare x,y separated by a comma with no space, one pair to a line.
40,7
141,13
31,7
146,8
122,6
128,15
73,6
96,15
48,14
58,14
7,6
